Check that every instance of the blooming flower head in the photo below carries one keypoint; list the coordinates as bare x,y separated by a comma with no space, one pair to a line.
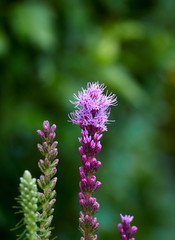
126,219
92,107
126,231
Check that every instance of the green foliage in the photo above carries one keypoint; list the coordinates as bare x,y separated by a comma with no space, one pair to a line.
33,22
50,49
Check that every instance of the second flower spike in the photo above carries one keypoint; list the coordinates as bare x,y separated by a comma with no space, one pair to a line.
46,181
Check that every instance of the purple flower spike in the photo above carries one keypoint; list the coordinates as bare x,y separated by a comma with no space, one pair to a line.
91,114
126,231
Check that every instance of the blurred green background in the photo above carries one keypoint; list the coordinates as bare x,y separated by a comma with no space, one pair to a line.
48,51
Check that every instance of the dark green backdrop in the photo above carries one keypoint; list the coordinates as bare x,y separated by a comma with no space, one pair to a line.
48,51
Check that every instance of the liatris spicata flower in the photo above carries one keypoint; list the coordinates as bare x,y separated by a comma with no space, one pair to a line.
126,231
28,201
47,182
91,114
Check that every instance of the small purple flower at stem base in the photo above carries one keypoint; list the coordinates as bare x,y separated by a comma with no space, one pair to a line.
126,231
91,114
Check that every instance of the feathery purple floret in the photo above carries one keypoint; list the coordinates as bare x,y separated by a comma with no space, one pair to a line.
92,107
91,114
126,231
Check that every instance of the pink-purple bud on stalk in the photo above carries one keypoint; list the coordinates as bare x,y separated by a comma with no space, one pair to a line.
126,231
47,182
91,114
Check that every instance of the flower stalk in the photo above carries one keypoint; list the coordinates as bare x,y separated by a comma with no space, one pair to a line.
91,114
47,181
28,201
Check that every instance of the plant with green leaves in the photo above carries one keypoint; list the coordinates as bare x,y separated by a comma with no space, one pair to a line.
28,206
37,218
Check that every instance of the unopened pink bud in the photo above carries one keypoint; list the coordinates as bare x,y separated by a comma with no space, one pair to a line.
82,203
95,207
55,163
40,134
81,196
84,157
87,219
46,126
81,215
97,185
42,178
98,164
83,183
53,182
46,161
45,146
81,151
93,162
53,128
92,144
81,221
40,148
54,144
98,147
87,166
96,226
133,230
94,237
124,237
120,226
94,221
82,175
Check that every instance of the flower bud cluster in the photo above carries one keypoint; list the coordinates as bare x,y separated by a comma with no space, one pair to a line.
126,231
90,205
87,222
47,181
90,147
28,201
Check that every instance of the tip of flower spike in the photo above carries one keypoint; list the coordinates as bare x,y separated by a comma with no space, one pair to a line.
133,229
46,123
126,218
27,175
53,128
